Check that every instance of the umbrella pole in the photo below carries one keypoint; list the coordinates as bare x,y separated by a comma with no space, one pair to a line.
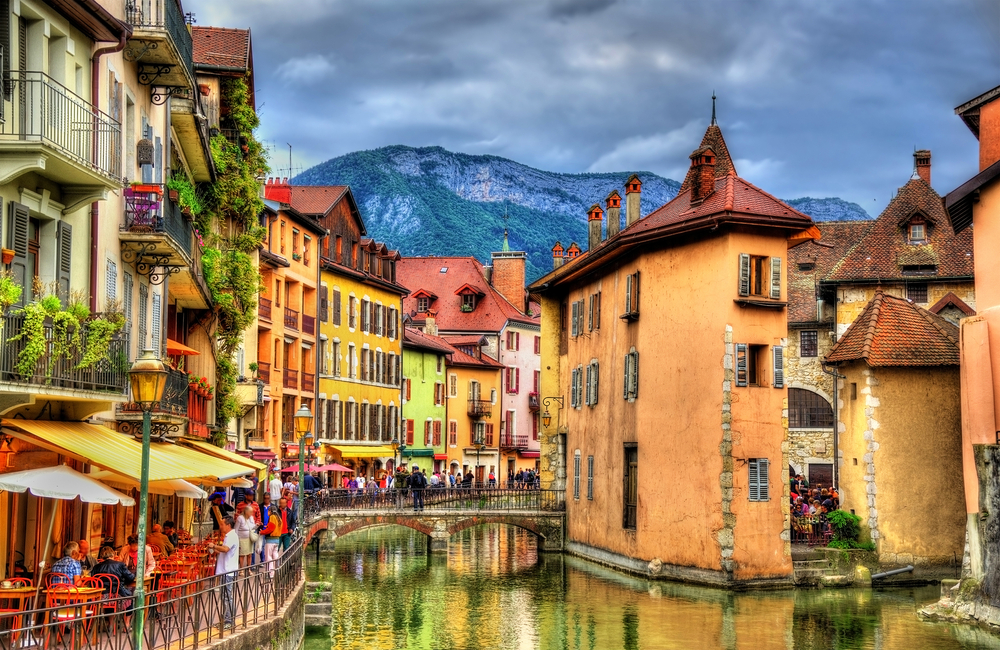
139,601
38,577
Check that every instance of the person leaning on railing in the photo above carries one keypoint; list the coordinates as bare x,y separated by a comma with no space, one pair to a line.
272,536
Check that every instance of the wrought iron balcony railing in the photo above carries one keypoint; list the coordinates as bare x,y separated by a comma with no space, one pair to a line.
480,408
516,441
39,109
148,211
175,397
164,15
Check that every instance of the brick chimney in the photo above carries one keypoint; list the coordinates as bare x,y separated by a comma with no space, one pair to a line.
922,161
508,276
703,162
557,256
595,219
633,194
430,323
278,189
573,251
614,205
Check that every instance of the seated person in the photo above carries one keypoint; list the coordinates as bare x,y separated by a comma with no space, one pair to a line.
68,566
157,538
130,556
170,530
110,565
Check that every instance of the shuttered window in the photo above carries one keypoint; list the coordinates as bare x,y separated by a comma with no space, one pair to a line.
64,265
758,484
741,364
576,475
156,323
336,307
631,297
437,433
590,478
324,304
776,278
143,315
127,299
365,316
452,433
575,319
778,357
20,220
744,288
592,383
393,323
631,375
409,432
576,388
111,281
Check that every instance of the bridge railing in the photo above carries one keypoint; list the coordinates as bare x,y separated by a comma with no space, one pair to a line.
440,499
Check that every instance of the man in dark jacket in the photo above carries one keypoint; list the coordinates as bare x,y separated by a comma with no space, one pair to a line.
417,483
111,566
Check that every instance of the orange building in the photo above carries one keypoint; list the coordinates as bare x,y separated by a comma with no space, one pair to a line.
662,361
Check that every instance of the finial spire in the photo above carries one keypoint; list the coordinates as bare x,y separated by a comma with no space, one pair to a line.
713,108
506,246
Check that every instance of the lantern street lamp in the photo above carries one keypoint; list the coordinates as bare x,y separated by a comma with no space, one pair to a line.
546,416
148,377
303,427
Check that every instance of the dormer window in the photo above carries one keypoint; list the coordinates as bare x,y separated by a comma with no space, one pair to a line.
423,303
918,233
468,302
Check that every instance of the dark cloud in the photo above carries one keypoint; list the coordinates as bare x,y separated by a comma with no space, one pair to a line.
815,98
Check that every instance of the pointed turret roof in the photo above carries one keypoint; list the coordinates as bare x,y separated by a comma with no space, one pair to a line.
723,162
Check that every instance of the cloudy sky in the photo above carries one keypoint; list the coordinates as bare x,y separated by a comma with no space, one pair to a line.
816,98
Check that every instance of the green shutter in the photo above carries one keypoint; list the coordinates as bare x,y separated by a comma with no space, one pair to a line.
64,265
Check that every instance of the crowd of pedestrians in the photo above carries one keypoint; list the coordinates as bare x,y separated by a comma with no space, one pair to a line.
809,507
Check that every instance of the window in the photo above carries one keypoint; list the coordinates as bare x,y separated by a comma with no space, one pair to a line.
590,478
538,345
409,433
453,385
918,233
513,341
805,267
473,390
760,276
111,281
778,366
808,410
365,316
511,426
436,440
393,323
631,492
157,321
537,381
406,390
440,365
352,312
808,343
336,358
127,298
438,393
488,434
324,360
452,433
631,384
576,475
576,320
750,364
576,387
143,314
513,380
590,398
493,396
427,432
631,297
920,269
535,425
305,250
352,368
468,301
916,292
282,237
759,488
379,318
422,304
594,312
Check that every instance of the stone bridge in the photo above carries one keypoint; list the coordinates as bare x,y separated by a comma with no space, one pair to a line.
540,514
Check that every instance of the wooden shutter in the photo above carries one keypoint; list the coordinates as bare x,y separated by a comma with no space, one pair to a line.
753,481
324,304
18,238
628,294
437,433
625,382
587,394
590,319
575,331
336,307
779,367
759,487
409,432
744,274
741,364
427,432
64,266
635,374
594,383
776,277
517,380
597,312
635,294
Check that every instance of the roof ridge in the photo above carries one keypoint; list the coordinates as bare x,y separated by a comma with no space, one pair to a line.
730,190
772,197
932,319
876,308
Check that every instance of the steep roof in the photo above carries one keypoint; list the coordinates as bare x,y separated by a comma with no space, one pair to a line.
221,46
884,250
492,310
837,238
723,161
316,199
895,332
459,358
414,338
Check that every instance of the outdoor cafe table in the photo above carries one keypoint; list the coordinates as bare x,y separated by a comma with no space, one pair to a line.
86,595
19,595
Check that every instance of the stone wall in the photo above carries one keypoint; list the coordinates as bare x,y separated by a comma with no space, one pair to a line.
809,445
282,632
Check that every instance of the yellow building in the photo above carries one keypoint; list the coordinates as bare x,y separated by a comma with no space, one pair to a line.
360,333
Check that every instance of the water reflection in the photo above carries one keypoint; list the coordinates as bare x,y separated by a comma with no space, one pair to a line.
494,590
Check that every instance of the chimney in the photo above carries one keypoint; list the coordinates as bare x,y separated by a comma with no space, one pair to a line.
557,256
508,276
595,219
430,323
279,190
922,161
633,192
573,251
614,205
703,162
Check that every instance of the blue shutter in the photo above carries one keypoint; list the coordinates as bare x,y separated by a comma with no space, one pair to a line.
741,364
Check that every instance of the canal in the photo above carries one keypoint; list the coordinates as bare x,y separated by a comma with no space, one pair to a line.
494,590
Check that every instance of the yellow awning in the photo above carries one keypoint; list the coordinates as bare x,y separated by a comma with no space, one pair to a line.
365,452
232,457
121,453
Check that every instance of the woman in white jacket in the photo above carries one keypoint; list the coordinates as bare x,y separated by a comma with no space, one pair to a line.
245,523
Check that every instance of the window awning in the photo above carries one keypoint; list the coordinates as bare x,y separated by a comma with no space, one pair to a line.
121,453
440,456
530,454
418,452
231,456
365,452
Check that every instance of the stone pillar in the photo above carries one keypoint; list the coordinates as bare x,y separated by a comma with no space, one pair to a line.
437,543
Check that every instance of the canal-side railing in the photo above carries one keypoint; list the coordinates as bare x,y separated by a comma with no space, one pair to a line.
185,616
441,499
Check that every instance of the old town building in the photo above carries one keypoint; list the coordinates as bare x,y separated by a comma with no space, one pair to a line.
656,481
425,409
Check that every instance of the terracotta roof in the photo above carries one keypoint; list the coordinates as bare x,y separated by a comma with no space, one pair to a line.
221,46
414,338
316,199
468,339
492,310
884,250
950,299
723,161
895,332
803,285
459,358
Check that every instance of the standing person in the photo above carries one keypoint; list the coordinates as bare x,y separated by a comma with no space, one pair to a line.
87,560
417,483
492,479
288,522
272,537
264,509
274,488
352,491
226,565
245,523
219,509
68,566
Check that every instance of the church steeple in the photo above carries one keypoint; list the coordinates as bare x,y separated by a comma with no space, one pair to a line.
713,108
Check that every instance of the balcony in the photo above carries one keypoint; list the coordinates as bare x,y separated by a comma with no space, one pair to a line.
308,382
480,408
46,128
169,416
291,319
533,401
264,372
309,325
160,43
516,441
264,309
158,240
291,379
250,393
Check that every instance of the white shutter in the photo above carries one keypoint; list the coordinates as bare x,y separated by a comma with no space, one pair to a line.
776,277
741,364
744,274
779,367
111,281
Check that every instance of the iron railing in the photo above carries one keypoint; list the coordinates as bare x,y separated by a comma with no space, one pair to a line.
109,374
474,498
163,15
264,311
291,379
516,441
175,397
264,372
148,211
182,617
308,382
291,319
480,408
40,109
308,324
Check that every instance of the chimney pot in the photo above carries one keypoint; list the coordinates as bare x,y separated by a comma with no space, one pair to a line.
614,205
703,162
633,202
595,219
922,160
557,256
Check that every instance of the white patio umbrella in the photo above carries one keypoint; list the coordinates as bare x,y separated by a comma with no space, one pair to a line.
177,487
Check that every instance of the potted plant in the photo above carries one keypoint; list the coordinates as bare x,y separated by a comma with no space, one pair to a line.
173,195
8,255
253,369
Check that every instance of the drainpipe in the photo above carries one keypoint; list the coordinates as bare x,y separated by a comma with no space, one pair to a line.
836,425
95,91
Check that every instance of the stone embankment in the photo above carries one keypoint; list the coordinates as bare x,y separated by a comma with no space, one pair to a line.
319,604
962,601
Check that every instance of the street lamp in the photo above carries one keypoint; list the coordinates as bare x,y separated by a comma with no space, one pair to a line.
303,426
546,416
148,377
478,441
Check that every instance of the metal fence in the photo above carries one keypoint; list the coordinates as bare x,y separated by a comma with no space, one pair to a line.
440,499
182,617
40,109
166,15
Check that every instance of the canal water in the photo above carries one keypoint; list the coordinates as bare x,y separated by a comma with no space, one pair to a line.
495,590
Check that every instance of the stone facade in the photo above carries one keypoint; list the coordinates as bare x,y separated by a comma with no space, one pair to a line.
814,445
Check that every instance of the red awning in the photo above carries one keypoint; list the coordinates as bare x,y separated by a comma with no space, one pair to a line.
179,349
440,456
531,454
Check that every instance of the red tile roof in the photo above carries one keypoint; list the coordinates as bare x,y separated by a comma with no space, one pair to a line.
884,250
414,338
723,162
803,286
459,358
951,300
492,310
310,199
221,46
895,332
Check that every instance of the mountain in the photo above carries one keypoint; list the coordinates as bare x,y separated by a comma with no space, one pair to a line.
430,201
831,209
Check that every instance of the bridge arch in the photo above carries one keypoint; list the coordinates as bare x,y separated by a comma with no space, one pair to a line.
524,523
